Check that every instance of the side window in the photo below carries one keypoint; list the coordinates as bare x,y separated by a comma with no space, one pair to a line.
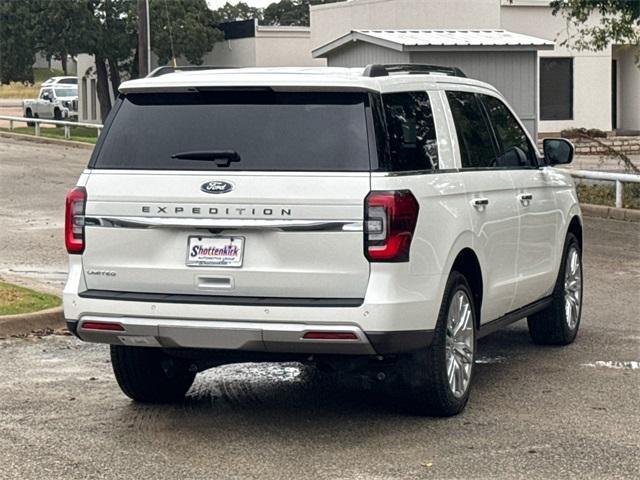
515,149
474,135
411,132
46,92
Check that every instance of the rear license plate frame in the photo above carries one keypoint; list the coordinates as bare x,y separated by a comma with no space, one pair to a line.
216,264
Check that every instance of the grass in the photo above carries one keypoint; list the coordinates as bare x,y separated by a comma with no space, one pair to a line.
606,195
78,134
14,300
20,91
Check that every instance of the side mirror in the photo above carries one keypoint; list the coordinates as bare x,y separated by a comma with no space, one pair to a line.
557,151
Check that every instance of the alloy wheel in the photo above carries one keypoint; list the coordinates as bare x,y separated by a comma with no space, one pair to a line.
459,343
572,288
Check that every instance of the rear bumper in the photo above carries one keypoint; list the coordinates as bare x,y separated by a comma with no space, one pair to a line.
245,336
398,314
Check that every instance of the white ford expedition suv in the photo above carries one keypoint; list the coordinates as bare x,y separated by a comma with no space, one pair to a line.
386,216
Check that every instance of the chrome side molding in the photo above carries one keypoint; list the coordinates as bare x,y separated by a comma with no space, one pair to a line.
224,224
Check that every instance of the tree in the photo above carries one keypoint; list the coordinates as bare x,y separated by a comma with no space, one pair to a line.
291,12
110,36
182,28
233,13
17,41
619,22
106,29
60,28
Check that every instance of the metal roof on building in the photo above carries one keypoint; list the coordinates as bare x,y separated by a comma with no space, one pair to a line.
434,40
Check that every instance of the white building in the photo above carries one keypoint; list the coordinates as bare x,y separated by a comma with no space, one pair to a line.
552,87
574,88
248,44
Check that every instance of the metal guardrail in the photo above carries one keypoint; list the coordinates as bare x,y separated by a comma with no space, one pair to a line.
39,121
619,178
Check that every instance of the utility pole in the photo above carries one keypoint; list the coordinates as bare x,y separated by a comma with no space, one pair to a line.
144,41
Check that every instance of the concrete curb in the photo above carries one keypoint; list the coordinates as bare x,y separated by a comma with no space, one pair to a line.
25,323
47,141
602,211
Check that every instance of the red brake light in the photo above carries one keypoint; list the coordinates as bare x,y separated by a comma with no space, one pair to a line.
330,336
390,220
116,327
74,220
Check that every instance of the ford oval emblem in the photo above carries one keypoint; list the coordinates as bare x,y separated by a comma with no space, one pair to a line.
216,186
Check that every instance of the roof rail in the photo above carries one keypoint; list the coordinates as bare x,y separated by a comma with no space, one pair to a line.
186,68
377,70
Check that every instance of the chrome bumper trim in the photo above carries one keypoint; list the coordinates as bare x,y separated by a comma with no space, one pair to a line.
222,223
224,335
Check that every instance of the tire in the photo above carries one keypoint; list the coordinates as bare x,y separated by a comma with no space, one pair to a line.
149,375
430,390
558,324
57,115
29,114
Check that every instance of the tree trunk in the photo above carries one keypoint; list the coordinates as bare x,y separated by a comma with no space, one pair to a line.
63,61
104,96
114,75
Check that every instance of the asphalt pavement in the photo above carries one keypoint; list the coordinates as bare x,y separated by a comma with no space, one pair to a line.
34,180
535,412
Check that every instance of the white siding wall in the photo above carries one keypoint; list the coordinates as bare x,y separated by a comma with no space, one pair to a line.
591,70
333,20
88,105
285,50
628,88
240,52
269,48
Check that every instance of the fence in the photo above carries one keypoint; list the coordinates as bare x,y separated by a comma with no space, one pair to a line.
39,121
619,178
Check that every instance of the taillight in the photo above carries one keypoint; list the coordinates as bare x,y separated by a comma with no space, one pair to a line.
330,336
390,220
74,220
114,327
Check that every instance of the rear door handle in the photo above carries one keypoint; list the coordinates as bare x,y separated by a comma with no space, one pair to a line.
525,197
480,202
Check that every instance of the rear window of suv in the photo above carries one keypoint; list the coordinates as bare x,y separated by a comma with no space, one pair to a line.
238,130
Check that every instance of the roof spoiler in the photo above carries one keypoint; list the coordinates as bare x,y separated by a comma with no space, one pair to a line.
383,70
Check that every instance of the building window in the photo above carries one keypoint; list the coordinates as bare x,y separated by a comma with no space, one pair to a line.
556,89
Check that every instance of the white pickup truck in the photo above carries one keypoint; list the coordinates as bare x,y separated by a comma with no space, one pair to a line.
57,102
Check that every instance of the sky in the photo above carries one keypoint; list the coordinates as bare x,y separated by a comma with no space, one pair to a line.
253,3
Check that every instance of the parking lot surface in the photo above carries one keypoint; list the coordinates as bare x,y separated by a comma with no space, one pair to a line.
34,179
535,412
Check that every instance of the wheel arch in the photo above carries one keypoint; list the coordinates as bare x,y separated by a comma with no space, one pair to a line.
467,263
575,227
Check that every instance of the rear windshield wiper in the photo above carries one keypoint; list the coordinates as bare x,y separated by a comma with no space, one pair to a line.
210,155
